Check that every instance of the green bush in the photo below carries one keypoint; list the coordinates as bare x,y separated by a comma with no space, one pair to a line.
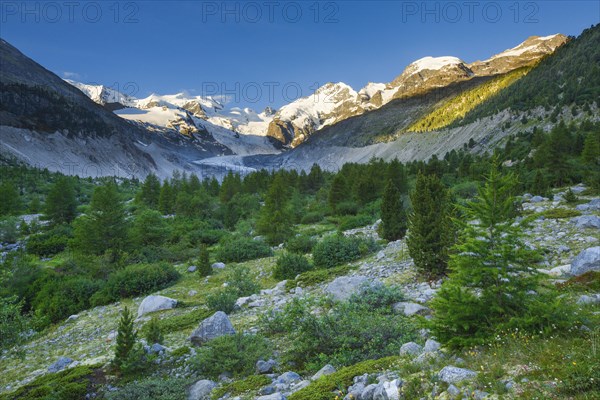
60,297
12,322
379,297
338,249
71,384
237,388
355,221
236,354
316,276
9,231
239,284
300,244
289,265
347,208
152,389
135,280
312,217
50,243
239,249
559,213
344,334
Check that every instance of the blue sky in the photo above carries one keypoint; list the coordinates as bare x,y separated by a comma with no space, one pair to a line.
263,49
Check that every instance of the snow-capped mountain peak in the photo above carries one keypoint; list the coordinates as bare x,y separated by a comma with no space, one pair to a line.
432,63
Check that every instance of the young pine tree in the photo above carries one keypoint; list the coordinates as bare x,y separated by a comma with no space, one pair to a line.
338,192
154,333
104,229
149,192
204,267
393,215
61,204
275,220
490,273
430,227
9,199
126,340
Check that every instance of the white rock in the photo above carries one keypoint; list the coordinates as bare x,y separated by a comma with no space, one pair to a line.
201,390
587,260
156,303
451,374
326,370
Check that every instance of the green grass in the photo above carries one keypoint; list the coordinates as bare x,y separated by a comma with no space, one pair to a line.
241,387
316,276
72,383
560,213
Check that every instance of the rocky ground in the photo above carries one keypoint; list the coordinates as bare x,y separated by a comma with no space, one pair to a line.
568,236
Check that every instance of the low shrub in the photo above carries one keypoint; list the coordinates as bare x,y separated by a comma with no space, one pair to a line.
50,243
325,387
316,276
312,217
239,249
241,387
289,265
342,333
236,354
60,297
71,384
154,388
587,281
559,213
240,283
178,323
300,244
9,230
338,249
355,221
347,208
135,280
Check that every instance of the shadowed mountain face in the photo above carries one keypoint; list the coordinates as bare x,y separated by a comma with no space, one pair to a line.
44,121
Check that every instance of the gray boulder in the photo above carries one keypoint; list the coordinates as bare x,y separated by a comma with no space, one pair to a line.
536,199
389,390
587,221
192,268
587,260
451,374
411,348
345,286
410,309
288,378
201,390
274,396
265,367
60,364
369,391
585,299
155,303
326,370
431,346
218,265
211,328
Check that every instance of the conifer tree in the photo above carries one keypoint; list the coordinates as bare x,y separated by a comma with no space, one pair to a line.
338,192
275,220
591,149
393,215
104,229
166,199
154,333
430,227
490,272
204,267
61,204
126,338
150,192
397,173
9,199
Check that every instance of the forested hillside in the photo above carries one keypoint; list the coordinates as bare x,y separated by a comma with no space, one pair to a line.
569,76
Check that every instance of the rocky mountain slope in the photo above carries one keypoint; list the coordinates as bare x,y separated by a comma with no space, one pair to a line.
49,123
295,122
